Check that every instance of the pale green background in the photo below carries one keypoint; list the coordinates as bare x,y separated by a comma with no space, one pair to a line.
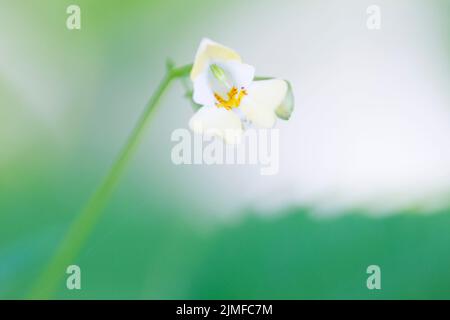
68,100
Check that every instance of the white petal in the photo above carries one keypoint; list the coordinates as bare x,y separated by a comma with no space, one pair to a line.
263,99
203,93
208,51
217,121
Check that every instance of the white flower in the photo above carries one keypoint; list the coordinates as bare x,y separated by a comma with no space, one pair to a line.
226,89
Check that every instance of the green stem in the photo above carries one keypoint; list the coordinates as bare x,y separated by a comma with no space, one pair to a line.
84,223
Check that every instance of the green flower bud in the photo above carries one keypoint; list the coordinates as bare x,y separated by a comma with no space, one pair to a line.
286,108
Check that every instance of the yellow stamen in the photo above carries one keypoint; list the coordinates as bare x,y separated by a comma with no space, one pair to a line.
234,97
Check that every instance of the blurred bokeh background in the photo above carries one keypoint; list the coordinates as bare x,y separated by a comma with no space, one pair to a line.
364,161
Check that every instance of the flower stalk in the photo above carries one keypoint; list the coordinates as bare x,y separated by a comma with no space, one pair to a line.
84,223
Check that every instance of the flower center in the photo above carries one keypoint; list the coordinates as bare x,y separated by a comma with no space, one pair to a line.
233,100
233,97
